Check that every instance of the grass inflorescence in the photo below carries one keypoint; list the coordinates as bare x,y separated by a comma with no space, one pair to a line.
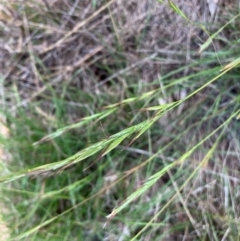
123,120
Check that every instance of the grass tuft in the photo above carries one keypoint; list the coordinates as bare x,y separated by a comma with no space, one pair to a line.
123,119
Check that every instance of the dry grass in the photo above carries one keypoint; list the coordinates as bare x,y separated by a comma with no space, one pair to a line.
58,41
91,54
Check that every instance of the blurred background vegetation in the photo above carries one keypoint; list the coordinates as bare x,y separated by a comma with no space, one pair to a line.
121,119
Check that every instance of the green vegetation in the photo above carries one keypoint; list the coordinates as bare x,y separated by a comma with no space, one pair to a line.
123,127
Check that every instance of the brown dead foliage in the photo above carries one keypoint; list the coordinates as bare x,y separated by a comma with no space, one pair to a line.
55,41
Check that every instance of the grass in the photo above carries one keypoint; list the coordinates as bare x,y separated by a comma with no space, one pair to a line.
120,130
